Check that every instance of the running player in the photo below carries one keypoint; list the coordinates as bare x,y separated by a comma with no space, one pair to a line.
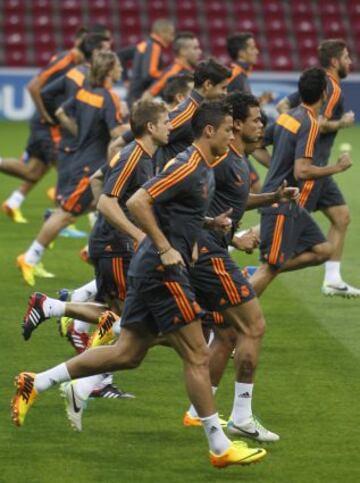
41,148
159,296
187,55
177,89
219,285
324,194
147,64
96,117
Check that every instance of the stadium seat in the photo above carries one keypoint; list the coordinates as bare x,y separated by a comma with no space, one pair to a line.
333,27
328,7
14,6
99,7
42,23
131,7
187,7
305,27
14,20
271,7
281,61
355,27
302,7
44,39
158,9
188,23
246,24
242,8
308,60
15,38
39,7
43,55
70,7
16,57
275,24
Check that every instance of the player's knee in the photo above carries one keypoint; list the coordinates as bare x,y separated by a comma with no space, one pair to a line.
258,326
199,357
324,252
341,219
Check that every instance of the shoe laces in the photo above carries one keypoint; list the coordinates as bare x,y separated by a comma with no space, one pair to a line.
27,388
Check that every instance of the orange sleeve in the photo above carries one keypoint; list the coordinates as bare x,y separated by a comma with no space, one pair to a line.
332,100
56,67
154,61
159,85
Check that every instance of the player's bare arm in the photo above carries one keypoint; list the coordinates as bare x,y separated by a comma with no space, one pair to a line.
34,88
140,206
304,169
346,120
66,121
110,208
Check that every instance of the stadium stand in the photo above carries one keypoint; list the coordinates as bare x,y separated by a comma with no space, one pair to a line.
288,32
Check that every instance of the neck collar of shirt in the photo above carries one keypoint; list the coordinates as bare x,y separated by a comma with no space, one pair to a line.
196,97
236,151
244,65
309,109
140,144
183,65
159,40
335,79
202,155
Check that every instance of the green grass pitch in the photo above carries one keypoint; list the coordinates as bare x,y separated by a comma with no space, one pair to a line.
307,386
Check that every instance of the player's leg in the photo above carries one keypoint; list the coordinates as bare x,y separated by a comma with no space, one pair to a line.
126,353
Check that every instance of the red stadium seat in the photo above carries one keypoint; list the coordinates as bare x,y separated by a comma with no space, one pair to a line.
185,8
308,60
45,40
15,39
131,7
214,8
100,7
333,27
307,42
14,21
272,7
275,24
15,57
355,26
246,24
243,8
188,23
14,6
300,8
158,9
42,23
39,7
276,41
70,7
281,61
217,27
70,23
305,27
43,55
328,7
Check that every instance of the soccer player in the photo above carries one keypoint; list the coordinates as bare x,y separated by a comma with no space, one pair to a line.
324,194
219,285
290,238
177,89
41,148
187,55
93,116
160,297
147,64
113,238
210,83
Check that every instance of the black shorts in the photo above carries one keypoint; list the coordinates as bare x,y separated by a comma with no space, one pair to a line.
218,281
111,274
284,235
75,197
162,304
42,144
254,175
320,194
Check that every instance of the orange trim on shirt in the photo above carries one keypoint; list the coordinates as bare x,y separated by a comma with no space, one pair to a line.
76,76
126,172
89,98
310,145
305,192
59,65
154,70
184,116
334,98
176,176
55,134
226,280
181,301
158,86
277,239
289,123
117,104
